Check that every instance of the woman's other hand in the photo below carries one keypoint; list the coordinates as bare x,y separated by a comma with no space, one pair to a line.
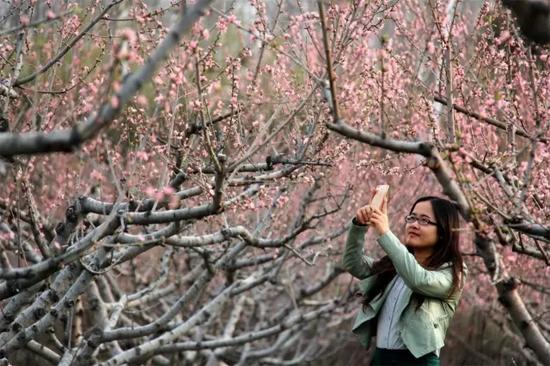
364,213
379,218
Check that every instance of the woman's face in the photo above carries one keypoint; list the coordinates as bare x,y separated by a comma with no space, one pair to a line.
420,236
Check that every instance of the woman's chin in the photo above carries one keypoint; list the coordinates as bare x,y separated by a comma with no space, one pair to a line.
411,242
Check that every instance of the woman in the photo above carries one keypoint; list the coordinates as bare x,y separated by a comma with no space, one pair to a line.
411,294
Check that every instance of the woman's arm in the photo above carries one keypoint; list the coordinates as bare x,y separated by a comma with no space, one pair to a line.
417,278
355,261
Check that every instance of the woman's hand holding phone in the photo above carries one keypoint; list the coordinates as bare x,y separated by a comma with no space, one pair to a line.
379,218
375,216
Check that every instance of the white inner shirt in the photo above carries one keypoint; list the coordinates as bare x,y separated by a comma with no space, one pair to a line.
387,331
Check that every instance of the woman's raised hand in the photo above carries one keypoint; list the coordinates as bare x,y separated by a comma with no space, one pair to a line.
379,218
364,213
368,215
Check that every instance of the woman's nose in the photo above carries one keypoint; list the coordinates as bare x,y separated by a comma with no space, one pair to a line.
414,224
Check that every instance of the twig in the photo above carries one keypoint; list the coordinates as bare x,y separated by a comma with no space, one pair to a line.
36,222
34,24
329,62
210,147
545,255
489,120
66,49
274,47
451,133
293,250
67,139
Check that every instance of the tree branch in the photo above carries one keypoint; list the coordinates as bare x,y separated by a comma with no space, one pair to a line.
68,139
489,120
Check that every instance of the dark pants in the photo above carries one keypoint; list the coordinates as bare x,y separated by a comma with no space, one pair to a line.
397,357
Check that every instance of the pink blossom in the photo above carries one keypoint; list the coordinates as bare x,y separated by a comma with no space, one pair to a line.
141,100
129,35
96,175
150,191
504,37
193,45
168,190
222,24
24,20
232,19
115,102
431,48
158,80
142,155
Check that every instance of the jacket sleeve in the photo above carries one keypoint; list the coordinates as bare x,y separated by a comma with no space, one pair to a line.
435,283
355,261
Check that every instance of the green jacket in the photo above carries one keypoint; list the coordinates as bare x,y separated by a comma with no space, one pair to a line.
422,331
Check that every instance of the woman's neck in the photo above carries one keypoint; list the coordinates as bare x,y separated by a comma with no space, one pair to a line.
422,255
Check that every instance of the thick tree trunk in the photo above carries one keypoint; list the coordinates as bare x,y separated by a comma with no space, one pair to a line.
512,301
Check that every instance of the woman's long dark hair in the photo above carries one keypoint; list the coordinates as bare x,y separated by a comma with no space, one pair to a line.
446,250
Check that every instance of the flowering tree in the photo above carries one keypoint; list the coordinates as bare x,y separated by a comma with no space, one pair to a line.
178,177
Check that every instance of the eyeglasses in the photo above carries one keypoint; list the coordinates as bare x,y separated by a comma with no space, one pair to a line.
422,221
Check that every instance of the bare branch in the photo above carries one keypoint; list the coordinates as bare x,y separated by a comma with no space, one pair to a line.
35,24
493,122
328,59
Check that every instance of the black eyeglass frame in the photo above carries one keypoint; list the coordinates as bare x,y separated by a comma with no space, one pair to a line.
422,221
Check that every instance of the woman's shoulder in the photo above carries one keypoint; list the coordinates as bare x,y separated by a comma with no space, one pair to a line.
449,264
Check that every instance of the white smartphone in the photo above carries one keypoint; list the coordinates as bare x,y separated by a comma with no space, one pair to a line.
378,199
